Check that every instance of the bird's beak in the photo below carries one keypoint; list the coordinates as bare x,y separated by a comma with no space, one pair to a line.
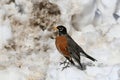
55,28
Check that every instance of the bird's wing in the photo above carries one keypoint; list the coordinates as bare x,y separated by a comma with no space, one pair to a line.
73,48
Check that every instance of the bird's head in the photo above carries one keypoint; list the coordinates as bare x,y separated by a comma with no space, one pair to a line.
61,30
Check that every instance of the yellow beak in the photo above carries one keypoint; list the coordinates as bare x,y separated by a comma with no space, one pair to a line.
55,28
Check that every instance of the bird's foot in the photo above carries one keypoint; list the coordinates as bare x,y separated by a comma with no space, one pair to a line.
81,66
66,66
64,62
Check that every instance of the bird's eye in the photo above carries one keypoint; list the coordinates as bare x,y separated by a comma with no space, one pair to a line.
61,29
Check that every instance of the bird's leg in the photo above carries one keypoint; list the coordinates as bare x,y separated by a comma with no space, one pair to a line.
66,66
81,66
64,62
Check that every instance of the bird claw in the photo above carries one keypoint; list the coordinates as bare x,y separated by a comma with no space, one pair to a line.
64,62
65,67
82,67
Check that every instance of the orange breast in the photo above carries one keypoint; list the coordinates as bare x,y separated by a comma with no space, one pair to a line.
61,44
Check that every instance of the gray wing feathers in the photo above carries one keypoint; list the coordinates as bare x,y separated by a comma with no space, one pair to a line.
75,50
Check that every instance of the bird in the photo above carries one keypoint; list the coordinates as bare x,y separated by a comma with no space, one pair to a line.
69,48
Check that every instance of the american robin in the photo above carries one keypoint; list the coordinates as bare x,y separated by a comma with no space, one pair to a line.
69,48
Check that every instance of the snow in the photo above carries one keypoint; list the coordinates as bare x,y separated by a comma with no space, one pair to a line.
5,32
27,44
114,32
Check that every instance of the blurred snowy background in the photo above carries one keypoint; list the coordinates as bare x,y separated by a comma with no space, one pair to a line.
27,49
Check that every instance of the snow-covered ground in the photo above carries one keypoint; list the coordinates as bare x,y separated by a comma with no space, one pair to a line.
27,49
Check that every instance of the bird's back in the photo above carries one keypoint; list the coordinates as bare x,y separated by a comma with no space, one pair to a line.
73,46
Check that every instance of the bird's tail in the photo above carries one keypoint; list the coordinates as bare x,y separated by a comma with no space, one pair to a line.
91,58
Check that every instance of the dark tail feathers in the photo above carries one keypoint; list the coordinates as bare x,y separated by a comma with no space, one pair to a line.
91,58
